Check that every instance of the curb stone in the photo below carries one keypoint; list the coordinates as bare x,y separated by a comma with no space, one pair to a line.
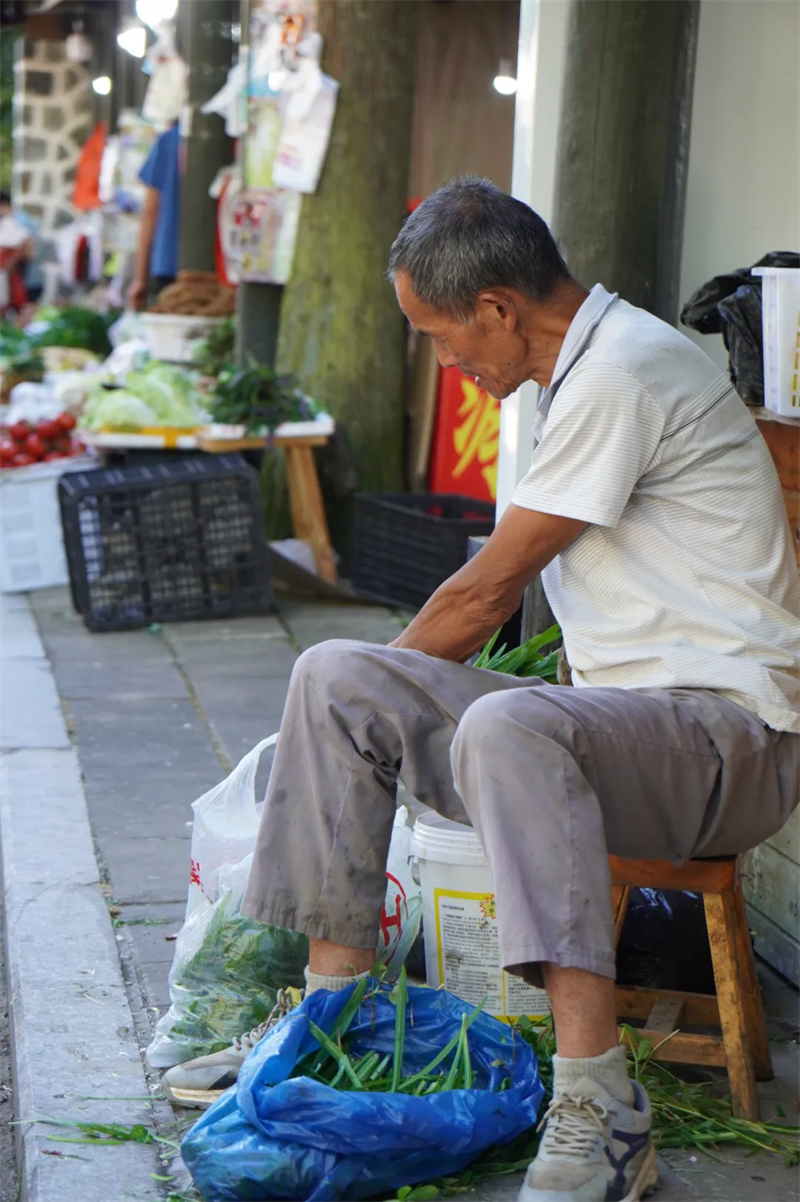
72,1033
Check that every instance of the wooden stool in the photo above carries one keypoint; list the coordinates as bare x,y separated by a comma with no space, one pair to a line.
742,1048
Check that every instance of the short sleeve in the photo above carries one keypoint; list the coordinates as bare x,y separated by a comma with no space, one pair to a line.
154,171
603,429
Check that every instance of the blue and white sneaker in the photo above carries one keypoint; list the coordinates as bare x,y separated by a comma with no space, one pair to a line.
593,1149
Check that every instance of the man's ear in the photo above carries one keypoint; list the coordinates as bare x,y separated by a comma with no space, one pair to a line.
498,306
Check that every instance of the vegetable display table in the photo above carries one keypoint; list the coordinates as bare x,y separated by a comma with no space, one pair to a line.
305,496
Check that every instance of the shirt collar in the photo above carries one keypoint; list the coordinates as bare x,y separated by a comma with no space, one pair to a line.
582,326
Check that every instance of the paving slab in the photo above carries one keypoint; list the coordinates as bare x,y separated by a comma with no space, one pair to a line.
314,621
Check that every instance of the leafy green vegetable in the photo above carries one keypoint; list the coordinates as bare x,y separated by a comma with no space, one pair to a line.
258,399
159,395
74,326
526,660
169,394
214,353
116,409
230,984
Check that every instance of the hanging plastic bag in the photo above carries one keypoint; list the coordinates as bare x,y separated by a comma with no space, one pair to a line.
272,1136
228,968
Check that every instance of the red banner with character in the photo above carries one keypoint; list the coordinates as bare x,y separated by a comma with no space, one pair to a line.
466,438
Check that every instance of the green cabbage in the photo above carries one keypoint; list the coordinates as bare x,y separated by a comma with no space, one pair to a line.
168,392
116,409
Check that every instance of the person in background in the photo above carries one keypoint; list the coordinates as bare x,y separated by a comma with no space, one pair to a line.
157,251
17,250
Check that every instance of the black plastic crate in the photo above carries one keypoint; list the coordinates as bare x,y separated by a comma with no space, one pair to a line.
407,544
165,542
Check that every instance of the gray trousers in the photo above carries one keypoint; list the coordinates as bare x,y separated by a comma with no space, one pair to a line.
551,778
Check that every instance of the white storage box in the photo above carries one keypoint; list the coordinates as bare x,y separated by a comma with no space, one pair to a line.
31,543
780,317
170,335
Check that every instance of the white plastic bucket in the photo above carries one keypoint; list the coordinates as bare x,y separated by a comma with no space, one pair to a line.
780,319
462,949
170,335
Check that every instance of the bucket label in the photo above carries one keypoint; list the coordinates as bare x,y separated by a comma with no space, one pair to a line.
469,957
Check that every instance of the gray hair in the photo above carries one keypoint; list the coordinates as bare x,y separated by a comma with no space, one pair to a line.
468,236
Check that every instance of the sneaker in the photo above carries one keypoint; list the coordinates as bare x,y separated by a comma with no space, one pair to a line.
198,1083
593,1149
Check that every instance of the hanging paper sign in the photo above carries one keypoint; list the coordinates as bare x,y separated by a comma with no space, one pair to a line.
261,232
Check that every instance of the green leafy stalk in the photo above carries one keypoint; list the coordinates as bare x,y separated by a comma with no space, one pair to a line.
401,1001
341,1058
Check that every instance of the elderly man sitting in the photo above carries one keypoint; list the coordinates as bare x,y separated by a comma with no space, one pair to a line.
653,511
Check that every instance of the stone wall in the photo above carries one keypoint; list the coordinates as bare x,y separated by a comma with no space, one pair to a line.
53,117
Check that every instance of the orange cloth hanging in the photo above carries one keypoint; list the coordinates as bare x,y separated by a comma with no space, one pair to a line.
87,179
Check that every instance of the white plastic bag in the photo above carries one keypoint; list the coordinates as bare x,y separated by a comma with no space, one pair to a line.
227,968
225,828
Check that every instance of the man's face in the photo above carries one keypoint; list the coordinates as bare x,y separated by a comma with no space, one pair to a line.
490,347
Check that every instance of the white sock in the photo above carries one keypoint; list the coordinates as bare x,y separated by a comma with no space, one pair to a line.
317,980
609,1070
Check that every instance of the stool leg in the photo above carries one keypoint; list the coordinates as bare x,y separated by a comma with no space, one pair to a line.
620,896
721,922
308,511
751,993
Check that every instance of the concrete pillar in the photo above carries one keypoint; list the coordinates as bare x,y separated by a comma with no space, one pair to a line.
204,35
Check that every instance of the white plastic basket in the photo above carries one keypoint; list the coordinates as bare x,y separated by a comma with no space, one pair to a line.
31,542
170,335
780,317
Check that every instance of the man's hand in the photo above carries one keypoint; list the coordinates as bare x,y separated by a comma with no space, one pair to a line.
137,294
469,607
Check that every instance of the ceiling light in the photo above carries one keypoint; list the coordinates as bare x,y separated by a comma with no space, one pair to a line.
133,38
102,85
505,81
156,12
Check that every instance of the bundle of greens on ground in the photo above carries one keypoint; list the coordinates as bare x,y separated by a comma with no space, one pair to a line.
527,660
333,1065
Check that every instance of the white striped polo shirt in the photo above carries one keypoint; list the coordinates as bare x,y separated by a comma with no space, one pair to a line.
686,577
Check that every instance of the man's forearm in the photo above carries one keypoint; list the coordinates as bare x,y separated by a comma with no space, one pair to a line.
470,606
147,231
458,618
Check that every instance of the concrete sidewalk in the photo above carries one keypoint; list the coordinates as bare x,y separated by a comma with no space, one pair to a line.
108,740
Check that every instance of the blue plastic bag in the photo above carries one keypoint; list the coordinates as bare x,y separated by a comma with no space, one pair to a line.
269,1137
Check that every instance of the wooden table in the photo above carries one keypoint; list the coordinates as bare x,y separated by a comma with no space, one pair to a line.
305,496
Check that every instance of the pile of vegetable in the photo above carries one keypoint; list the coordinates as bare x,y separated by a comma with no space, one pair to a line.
231,981
259,399
158,395
333,1065
49,439
214,354
527,660
72,326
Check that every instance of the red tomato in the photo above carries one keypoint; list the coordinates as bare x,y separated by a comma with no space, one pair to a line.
66,421
48,429
51,455
19,431
22,460
35,446
7,451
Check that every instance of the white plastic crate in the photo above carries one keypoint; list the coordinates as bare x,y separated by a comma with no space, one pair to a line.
31,543
780,317
169,335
